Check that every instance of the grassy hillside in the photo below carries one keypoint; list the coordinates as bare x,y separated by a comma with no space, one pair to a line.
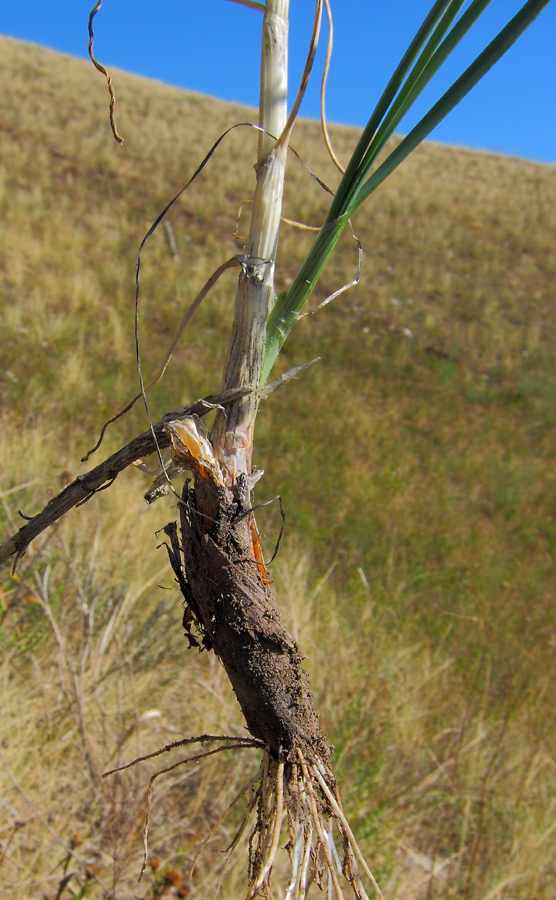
416,463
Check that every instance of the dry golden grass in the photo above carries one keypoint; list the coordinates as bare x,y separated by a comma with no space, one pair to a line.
416,463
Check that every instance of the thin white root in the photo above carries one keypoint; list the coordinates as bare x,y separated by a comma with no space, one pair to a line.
306,860
320,827
304,794
295,857
319,769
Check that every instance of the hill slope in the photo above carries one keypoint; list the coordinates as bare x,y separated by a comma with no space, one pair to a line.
417,457
441,360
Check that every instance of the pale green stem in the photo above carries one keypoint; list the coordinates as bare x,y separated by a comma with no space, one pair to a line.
234,428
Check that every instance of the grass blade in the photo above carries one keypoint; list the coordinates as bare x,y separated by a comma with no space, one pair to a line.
490,55
353,189
345,188
434,55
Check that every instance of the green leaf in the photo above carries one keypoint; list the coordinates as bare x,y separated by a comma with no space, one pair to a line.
501,43
432,57
348,182
431,46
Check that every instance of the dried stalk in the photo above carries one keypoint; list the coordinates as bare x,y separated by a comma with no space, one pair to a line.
103,475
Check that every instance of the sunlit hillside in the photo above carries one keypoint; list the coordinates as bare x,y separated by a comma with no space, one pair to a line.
415,462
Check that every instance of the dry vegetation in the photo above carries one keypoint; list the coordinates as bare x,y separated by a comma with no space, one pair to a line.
416,462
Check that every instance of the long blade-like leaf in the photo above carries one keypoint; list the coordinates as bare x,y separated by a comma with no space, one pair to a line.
290,303
501,43
433,56
353,190
346,186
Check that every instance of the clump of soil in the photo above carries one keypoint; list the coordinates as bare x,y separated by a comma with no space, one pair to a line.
229,599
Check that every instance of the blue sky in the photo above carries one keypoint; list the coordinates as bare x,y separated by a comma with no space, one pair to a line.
212,46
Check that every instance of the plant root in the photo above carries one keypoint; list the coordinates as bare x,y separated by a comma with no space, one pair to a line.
296,798
228,743
304,796
230,609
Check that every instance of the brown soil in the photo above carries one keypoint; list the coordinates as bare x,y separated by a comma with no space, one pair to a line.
232,606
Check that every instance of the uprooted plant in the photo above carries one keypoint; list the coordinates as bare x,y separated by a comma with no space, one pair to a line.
214,549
